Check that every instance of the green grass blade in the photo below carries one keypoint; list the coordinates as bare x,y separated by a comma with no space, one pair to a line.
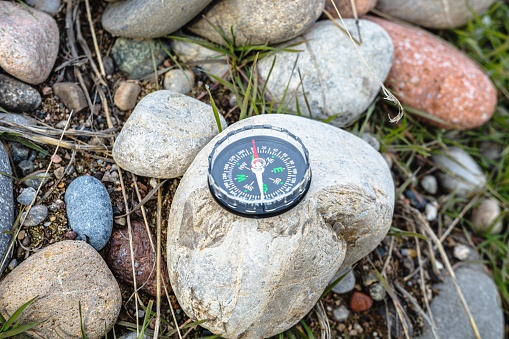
215,110
16,314
18,330
396,232
308,330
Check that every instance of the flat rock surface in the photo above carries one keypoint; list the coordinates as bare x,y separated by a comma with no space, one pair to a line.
143,19
482,298
63,275
163,135
89,210
434,77
335,82
256,22
16,96
434,13
28,43
6,205
216,259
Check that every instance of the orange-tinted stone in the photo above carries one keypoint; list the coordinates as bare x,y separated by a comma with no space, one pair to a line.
360,302
432,76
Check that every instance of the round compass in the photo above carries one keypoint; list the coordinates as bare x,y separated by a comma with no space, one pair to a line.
259,171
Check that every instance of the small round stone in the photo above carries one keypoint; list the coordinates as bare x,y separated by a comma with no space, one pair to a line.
27,196
360,302
347,283
36,179
12,264
35,216
26,167
89,210
431,211
71,95
377,292
461,252
180,81
18,152
341,313
49,6
485,217
429,183
126,95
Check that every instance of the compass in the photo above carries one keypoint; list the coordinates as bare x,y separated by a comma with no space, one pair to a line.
259,171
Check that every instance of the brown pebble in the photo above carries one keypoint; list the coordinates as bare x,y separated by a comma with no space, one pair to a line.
345,8
117,255
360,302
70,235
56,158
71,95
126,95
432,76
46,90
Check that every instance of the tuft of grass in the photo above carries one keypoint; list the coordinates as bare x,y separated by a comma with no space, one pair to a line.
12,327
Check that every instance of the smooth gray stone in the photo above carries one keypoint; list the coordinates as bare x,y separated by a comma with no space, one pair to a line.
36,179
18,152
16,96
434,13
255,278
256,22
6,205
163,135
27,196
134,58
89,210
465,178
26,167
430,184
327,79
483,300
144,19
49,6
347,283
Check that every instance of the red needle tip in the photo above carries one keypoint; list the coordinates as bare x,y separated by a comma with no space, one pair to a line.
255,152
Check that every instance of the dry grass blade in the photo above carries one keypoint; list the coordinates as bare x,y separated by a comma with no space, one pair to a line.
427,229
158,260
143,212
323,320
144,200
387,94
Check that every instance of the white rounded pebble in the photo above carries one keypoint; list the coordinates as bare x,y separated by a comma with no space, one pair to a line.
461,252
431,211
487,213
180,81
429,183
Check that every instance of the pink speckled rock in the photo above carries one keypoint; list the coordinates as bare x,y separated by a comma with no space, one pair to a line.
29,42
432,76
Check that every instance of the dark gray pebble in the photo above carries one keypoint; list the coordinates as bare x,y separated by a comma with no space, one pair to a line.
27,196
134,58
26,167
18,152
89,210
36,179
16,96
35,216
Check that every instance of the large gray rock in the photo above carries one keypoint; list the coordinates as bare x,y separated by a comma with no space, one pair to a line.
333,79
142,19
6,206
256,22
257,277
28,43
163,134
63,276
461,173
434,13
17,119
482,298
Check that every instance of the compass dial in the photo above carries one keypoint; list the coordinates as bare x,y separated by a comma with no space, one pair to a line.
259,171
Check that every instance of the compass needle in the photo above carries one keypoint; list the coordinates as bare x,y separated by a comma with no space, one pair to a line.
277,158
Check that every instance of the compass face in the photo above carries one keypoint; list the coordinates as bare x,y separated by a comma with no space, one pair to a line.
259,171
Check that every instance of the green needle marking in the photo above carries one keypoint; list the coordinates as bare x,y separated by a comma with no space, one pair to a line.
273,156
282,183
